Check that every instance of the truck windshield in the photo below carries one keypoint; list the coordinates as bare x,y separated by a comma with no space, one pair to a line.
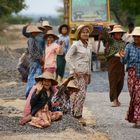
89,10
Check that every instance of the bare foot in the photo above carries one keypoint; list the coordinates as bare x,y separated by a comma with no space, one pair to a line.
24,120
118,102
136,125
82,121
126,116
114,104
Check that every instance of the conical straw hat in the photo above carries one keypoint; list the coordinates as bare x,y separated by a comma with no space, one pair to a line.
50,32
136,31
47,76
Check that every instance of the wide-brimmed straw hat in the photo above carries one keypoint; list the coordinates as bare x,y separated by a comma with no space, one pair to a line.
51,33
136,31
63,25
33,28
80,27
117,29
45,26
47,76
71,86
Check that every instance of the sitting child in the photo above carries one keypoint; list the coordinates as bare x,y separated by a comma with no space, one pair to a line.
61,101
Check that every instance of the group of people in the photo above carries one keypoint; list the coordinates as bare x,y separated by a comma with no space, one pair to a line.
48,54
124,48
45,100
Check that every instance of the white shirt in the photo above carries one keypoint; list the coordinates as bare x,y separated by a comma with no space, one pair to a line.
78,58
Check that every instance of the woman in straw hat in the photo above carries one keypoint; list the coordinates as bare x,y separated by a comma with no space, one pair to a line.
78,58
51,51
61,101
64,40
35,58
115,67
38,104
131,56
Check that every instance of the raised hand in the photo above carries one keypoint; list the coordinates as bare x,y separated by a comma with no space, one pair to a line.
39,87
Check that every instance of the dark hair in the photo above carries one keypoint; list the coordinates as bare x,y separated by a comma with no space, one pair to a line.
64,25
131,25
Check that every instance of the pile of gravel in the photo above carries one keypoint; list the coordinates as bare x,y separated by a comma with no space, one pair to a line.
9,110
8,62
9,73
11,124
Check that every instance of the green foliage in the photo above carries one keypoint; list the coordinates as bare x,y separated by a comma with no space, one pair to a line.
7,7
132,6
137,21
124,11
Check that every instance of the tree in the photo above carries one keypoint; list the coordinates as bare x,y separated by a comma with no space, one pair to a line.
125,10
7,7
132,6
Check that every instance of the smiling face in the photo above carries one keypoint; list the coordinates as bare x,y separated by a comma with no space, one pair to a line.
46,84
84,34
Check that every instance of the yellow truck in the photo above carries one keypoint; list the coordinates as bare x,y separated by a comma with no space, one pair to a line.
94,12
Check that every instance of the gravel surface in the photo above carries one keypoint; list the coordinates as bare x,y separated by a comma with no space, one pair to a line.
9,125
12,88
109,120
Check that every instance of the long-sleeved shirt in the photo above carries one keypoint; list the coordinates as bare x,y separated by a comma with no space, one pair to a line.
25,33
78,58
132,57
51,52
35,51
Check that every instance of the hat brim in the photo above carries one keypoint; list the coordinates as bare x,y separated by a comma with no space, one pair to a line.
47,26
121,31
78,31
35,31
73,89
55,36
41,28
39,78
134,34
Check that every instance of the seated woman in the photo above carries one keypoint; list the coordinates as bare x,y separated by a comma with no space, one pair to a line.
38,105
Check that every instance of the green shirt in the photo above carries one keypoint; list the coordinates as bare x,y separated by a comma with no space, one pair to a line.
114,47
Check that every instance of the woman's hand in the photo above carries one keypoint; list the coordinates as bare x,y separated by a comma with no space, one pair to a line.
122,53
76,74
39,87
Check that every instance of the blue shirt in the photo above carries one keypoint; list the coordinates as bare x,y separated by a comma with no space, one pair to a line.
132,57
66,41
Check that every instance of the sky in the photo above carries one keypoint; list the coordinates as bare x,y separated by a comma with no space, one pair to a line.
42,7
